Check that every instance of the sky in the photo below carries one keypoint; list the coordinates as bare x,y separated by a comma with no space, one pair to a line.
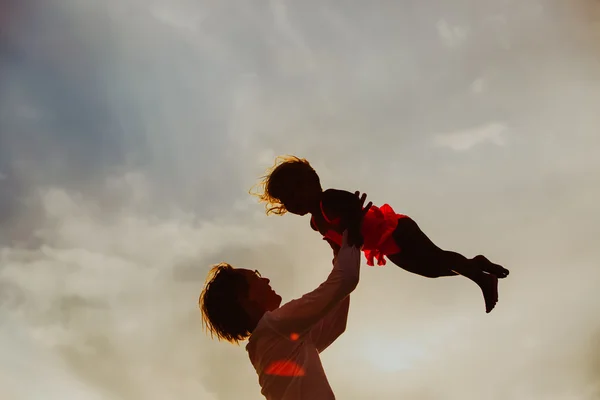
131,132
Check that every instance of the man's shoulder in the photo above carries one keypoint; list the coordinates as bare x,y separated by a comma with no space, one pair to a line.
264,325
266,333
259,331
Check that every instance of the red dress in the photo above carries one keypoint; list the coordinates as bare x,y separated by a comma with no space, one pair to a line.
377,227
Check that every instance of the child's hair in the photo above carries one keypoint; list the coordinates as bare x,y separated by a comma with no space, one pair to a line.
272,185
222,313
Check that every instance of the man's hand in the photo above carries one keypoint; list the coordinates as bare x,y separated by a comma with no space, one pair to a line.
355,221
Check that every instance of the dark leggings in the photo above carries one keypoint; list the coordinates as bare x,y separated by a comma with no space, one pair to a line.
419,255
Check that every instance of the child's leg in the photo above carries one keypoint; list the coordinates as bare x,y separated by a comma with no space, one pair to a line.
421,256
408,235
417,266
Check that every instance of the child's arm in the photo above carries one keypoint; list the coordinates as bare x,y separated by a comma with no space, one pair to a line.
334,246
340,203
345,208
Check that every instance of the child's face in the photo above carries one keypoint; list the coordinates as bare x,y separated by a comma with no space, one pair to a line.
300,198
296,206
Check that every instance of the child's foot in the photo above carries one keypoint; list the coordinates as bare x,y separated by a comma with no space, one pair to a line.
489,287
488,266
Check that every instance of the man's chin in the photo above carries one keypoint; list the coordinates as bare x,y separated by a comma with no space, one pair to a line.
274,302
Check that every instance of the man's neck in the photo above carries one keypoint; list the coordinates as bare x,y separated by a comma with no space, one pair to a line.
255,317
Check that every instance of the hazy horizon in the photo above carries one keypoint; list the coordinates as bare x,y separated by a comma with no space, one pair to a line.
131,132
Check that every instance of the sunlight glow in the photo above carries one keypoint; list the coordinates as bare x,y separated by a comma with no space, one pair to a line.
392,355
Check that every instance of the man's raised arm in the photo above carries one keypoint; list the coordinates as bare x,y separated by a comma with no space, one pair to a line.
301,315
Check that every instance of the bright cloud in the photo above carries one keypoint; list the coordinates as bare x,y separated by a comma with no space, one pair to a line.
465,140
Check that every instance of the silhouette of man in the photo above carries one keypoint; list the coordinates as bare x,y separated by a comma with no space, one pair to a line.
284,341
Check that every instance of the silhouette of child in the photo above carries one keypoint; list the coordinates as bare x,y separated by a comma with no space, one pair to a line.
292,185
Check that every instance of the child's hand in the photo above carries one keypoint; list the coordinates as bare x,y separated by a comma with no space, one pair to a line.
362,203
355,221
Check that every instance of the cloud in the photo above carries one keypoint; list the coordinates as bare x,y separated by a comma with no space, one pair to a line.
131,132
461,141
102,301
478,85
108,304
53,378
177,19
452,36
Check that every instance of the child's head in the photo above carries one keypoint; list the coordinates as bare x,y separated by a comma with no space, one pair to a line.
290,185
232,301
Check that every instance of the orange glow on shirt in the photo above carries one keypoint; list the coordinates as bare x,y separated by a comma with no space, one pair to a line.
284,368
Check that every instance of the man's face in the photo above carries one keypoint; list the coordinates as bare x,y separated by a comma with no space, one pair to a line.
260,292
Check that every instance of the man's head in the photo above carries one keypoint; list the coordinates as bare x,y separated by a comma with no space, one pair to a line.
233,301
291,185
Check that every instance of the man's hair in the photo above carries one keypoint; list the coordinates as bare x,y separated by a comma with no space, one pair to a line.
222,313
273,185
